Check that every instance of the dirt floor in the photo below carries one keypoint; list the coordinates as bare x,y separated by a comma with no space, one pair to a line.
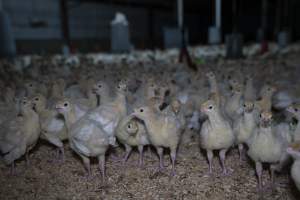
44,179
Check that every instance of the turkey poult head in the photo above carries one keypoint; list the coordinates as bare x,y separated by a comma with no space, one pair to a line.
265,119
248,106
141,112
100,88
121,87
39,102
294,109
208,107
176,105
132,127
25,106
210,75
63,107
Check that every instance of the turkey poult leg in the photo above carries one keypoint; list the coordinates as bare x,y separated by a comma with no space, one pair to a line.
141,157
101,160
27,159
127,154
60,154
258,168
62,151
222,155
272,172
161,157
210,156
173,160
241,151
12,168
87,165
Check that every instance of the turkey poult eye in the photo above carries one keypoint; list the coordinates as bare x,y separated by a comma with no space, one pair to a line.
296,109
210,107
66,104
36,99
141,110
128,126
99,86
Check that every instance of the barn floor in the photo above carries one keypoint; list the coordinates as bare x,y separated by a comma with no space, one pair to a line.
47,180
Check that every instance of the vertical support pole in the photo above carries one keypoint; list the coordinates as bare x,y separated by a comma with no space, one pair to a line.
65,24
151,27
218,14
234,8
278,17
264,26
1,5
180,13
264,17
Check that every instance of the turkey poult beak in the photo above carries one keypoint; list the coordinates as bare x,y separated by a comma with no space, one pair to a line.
289,109
94,90
266,122
33,106
58,108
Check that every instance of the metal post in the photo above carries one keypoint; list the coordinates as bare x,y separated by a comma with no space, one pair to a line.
65,23
151,27
218,14
264,17
235,15
180,13
1,5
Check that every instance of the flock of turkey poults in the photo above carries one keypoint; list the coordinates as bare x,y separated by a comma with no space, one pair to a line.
251,105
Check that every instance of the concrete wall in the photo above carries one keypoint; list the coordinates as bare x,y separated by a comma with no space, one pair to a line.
87,21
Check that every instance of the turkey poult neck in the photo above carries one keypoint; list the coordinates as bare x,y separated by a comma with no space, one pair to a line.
213,85
297,130
92,97
121,101
149,120
248,117
265,127
70,118
215,118
28,113
105,97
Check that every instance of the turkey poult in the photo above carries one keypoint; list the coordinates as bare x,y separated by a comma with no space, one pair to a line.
131,133
86,138
163,132
295,110
53,128
244,126
293,151
19,135
109,114
265,147
216,133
